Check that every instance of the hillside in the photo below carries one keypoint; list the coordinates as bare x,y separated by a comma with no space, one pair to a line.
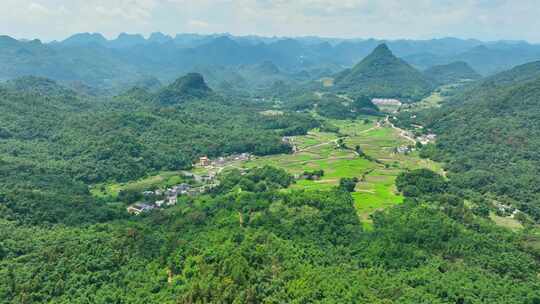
54,138
451,73
489,134
519,74
381,74
189,87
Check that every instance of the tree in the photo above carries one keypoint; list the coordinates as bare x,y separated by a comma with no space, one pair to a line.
348,184
341,143
129,196
359,150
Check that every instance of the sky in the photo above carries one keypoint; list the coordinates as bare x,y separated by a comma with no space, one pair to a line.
384,19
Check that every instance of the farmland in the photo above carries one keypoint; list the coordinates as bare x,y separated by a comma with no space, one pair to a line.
376,171
319,151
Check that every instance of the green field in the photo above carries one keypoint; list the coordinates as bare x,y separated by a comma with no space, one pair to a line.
163,179
318,150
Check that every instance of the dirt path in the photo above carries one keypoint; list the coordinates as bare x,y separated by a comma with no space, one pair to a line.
317,145
402,132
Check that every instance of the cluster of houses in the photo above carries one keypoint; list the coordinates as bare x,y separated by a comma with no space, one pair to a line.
423,139
506,210
426,139
223,161
162,198
289,140
404,149
386,102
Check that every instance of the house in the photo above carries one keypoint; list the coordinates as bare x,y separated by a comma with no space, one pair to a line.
426,139
172,200
148,193
207,178
220,161
160,204
171,192
386,102
182,188
204,161
403,149
139,208
196,191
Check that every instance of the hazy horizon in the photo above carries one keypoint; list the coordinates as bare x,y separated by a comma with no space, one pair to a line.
227,34
349,19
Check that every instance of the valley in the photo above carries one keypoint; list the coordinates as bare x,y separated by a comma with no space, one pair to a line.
245,169
376,171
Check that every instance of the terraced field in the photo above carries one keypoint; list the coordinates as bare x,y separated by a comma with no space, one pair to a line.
376,189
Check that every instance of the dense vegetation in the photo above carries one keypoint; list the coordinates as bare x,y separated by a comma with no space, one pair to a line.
488,136
262,246
57,141
381,74
331,105
451,73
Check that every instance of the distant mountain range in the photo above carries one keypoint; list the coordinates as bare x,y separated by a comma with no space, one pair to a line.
95,61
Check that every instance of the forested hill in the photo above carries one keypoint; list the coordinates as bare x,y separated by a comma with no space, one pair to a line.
191,86
265,245
490,137
60,142
451,73
381,74
519,74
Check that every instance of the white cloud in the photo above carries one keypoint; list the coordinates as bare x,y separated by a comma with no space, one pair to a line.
487,19
37,8
198,24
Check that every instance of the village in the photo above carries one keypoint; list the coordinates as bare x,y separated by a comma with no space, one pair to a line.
203,177
199,184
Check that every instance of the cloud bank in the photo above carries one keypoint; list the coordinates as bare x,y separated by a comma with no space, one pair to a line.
418,19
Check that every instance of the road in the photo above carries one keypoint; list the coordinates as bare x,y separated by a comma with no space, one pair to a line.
402,132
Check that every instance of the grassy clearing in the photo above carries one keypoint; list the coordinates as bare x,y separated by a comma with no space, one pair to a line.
163,179
327,82
532,240
506,222
435,100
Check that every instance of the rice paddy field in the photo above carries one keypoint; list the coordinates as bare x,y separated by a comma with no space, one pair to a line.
319,151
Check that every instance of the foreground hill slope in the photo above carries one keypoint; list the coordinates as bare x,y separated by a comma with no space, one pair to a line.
490,137
381,74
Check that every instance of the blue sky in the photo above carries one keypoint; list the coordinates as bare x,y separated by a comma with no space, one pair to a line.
388,19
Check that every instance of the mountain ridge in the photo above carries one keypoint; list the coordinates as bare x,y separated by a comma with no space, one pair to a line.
382,74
